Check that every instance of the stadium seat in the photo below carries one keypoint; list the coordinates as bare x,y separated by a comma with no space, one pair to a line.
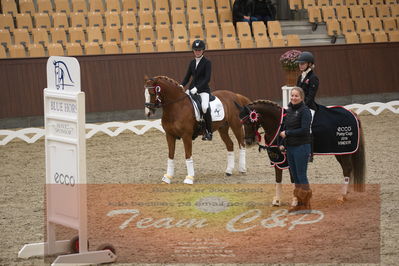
333,27
180,45
380,36
193,5
95,19
295,4
364,2
40,36
96,6
389,24
293,40
7,22
146,18
278,41
163,45
162,18
390,2
309,3
314,14
112,34
366,37
79,6
42,20
9,7
230,43
146,5
393,36
337,3
21,36
342,12
260,34
208,4
225,15
36,50
24,21
347,26
94,34
44,6
146,33
223,5
213,44
112,19
128,47
395,11
209,17
76,34
129,19
60,20
195,32
177,5
55,49
362,25
328,13
351,37
17,51
74,49
321,3
375,25
178,17
163,32
383,11
146,46
370,12
274,29
351,2
113,6
78,20
129,34
58,35
356,12
92,48
62,6
162,5
180,32
110,48
194,17
27,6
377,2
129,5
5,37
212,32
244,35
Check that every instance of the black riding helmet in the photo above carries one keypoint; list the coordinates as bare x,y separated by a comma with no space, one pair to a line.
198,45
305,57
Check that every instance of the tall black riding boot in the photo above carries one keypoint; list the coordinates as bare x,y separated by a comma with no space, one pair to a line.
208,125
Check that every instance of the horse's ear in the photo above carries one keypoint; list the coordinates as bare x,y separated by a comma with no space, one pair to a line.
146,77
239,107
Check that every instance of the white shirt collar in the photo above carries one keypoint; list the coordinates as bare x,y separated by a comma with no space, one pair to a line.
197,60
305,73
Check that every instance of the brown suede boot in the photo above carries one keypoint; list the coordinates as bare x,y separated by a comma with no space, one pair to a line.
303,200
296,194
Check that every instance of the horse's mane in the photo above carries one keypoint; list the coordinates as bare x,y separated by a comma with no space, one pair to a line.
170,80
266,102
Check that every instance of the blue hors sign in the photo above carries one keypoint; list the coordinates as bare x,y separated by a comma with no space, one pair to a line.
63,74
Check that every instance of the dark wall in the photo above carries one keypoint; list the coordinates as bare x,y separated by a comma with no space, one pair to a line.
115,82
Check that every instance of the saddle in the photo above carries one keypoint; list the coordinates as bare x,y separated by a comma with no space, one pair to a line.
215,105
196,98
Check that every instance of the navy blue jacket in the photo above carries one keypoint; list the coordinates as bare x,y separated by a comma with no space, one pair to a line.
297,124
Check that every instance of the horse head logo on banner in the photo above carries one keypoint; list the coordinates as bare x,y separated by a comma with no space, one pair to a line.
62,76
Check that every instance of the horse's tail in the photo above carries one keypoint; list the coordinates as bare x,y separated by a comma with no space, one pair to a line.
242,100
359,163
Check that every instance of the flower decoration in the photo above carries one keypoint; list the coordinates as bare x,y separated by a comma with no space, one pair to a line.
288,60
253,116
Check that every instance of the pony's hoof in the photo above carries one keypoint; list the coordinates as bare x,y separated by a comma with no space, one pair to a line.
276,202
341,199
228,174
189,180
166,179
243,173
294,202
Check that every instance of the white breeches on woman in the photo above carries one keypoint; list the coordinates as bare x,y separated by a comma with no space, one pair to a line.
205,101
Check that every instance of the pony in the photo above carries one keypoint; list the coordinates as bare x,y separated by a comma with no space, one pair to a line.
179,122
269,116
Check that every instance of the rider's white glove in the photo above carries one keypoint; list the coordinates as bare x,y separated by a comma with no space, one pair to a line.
193,90
181,86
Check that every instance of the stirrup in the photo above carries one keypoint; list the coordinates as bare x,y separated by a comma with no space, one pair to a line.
207,136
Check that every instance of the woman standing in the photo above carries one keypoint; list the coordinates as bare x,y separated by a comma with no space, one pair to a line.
297,143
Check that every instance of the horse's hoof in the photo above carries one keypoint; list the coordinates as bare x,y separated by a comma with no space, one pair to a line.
228,174
189,180
341,199
294,202
166,179
276,202
243,173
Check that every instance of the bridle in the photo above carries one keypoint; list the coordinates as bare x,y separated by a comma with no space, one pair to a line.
156,90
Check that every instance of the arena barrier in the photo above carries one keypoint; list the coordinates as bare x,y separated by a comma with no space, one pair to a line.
139,127
65,146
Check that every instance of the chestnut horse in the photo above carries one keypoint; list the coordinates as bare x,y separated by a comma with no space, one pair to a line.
268,115
178,121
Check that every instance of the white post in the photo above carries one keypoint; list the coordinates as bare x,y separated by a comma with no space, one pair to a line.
65,146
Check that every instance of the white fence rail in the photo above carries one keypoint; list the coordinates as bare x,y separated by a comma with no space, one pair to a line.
139,127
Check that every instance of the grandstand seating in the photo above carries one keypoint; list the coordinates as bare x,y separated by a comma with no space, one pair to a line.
78,27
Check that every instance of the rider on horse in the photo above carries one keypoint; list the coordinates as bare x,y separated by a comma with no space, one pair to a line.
200,71
308,80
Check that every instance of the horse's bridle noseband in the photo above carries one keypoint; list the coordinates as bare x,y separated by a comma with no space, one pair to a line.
156,90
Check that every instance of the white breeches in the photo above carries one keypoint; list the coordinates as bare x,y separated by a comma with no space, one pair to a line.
205,101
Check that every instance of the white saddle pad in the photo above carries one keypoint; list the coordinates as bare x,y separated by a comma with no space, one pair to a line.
217,110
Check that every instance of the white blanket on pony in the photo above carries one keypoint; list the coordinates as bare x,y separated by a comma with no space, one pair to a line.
217,110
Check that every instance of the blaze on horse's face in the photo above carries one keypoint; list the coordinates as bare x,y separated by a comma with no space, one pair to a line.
150,94
249,119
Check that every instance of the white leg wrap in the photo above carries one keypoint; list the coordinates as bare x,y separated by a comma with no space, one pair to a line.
190,167
230,162
242,167
294,200
171,167
279,190
345,186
